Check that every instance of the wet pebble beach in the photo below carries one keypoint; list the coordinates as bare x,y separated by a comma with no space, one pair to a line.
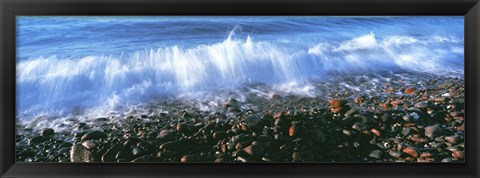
403,119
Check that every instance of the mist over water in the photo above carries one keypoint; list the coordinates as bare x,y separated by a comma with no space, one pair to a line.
75,63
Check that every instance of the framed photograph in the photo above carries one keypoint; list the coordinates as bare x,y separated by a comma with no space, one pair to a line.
239,89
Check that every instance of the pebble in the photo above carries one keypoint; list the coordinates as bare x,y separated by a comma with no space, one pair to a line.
254,150
377,154
458,154
188,158
89,144
453,139
412,151
376,132
293,131
79,153
410,90
421,104
433,131
336,103
94,135
406,131
48,132
350,112
358,126
166,135
395,154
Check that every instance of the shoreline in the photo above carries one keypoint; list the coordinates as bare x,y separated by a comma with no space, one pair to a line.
410,121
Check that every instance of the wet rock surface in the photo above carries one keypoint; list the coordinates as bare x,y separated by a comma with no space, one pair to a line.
398,121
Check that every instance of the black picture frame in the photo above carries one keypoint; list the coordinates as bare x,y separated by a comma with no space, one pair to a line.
470,9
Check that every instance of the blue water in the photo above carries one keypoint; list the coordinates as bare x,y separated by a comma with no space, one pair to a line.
68,62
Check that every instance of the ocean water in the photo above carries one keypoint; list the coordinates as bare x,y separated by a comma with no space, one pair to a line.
70,63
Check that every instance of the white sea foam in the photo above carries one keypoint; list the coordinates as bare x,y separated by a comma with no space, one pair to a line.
106,83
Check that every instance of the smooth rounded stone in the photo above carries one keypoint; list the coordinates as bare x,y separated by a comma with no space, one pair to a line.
410,90
48,132
421,104
395,154
266,159
136,151
458,154
112,152
254,150
94,135
453,139
242,159
350,112
36,140
439,139
358,126
412,151
336,103
166,135
426,155
376,132
446,160
188,158
219,135
433,131
293,130
346,132
377,154
406,131
89,144
79,153
297,156
412,117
